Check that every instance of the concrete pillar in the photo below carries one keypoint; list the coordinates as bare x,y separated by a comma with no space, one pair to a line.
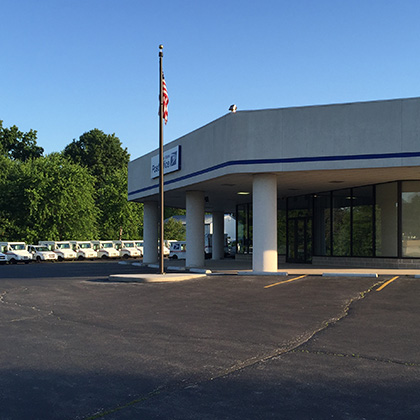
150,232
195,229
218,238
264,216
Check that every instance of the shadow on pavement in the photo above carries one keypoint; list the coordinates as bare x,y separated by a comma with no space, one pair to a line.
85,269
289,387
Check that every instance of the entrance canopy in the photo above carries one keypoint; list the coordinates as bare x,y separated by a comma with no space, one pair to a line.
309,149
262,156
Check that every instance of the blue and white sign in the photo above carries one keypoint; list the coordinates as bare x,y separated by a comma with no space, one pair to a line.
171,162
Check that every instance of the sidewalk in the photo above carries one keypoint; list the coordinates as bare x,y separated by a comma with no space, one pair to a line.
232,267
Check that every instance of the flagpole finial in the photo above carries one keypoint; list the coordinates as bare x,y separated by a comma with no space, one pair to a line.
161,47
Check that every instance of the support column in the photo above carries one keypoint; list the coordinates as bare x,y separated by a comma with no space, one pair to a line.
195,229
218,238
150,232
264,216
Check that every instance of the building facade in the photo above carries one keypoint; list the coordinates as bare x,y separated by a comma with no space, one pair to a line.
330,184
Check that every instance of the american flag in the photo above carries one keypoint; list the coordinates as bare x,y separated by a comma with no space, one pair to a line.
165,100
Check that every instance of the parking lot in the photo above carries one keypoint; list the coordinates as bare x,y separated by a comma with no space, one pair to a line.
77,346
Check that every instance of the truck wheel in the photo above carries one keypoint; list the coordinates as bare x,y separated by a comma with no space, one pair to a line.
125,256
60,258
104,257
38,259
80,258
12,261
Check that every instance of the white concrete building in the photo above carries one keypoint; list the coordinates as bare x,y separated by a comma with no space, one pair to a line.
337,184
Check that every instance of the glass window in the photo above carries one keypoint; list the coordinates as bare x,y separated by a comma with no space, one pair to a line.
386,220
341,207
299,228
300,206
299,239
362,232
241,228
322,224
410,219
244,229
281,227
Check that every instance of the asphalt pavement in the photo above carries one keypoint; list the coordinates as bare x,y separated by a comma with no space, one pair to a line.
78,346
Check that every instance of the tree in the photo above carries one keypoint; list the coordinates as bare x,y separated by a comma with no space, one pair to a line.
7,224
49,198
117,214
174,229
18,145
105,158
101,153
172,211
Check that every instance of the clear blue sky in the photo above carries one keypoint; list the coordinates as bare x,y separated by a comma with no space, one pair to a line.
68,66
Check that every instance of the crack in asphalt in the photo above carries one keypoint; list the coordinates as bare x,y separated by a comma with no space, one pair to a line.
357,356
40,313
290,347
302,339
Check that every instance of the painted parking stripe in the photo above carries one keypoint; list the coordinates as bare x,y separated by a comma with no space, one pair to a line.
285,281
386,284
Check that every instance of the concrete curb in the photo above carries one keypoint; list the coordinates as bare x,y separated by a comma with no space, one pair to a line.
153,278
175,268
350,274
262,273
199,270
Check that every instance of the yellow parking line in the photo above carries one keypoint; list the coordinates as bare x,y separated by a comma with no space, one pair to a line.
386,284
285,281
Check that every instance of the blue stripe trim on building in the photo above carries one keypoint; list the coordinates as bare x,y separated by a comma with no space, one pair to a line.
284,160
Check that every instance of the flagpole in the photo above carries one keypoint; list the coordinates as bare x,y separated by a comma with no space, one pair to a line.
161,192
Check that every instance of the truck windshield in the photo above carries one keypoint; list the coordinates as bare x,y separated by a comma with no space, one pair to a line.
17,247
85,246
128,244
42,248
63,246
108,245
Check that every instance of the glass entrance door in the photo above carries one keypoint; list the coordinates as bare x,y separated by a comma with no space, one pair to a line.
299,240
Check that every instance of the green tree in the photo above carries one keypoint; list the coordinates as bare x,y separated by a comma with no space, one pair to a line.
105,158
117,214
18,145
7,224
174,229
172,211
101,153
49,198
